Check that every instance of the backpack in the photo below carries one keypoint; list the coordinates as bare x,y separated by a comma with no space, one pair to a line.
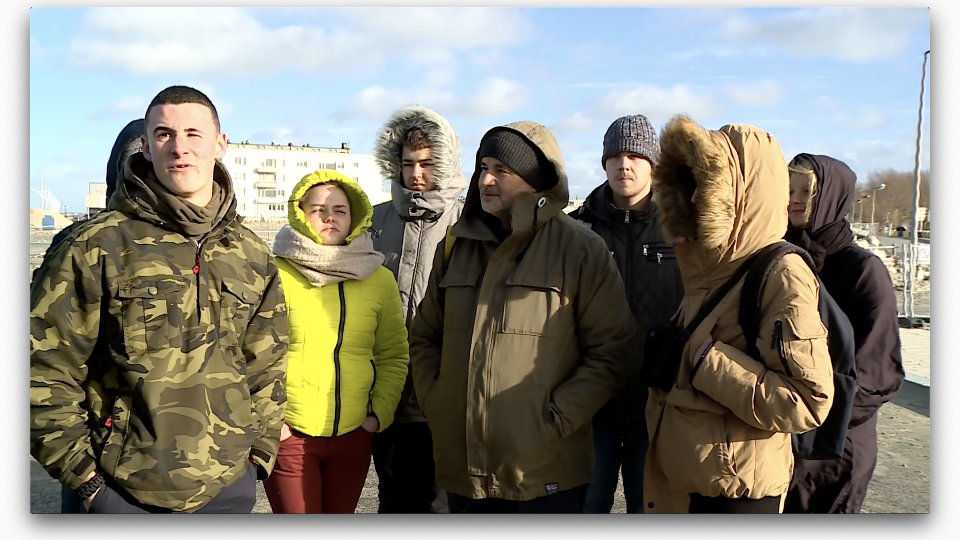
666,341
827,440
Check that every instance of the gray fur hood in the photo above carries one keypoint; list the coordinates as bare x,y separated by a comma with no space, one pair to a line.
448,171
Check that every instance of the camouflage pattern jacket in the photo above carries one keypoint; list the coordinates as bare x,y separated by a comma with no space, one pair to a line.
155,359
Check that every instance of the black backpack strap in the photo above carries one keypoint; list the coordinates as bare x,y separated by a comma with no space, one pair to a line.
717,296
751,296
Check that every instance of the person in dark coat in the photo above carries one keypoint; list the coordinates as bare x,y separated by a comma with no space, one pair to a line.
822,192
127,144
622,212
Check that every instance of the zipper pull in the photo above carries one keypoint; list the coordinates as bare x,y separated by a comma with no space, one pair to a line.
196,266
645,250
779,346
626,216
659,257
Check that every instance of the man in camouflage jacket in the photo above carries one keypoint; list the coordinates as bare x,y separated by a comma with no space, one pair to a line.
158,335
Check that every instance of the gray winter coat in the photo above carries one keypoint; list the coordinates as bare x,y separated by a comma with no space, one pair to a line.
408,229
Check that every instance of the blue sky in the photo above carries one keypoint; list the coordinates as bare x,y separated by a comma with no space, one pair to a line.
843,82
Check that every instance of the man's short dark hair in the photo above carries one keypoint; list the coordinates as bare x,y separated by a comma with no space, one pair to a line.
178,95
416,139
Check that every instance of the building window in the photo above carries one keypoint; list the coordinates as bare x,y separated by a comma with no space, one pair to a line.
240,161
328,166
302,164
356,165
269,163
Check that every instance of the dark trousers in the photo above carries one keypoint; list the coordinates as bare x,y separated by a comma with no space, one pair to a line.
70,503
619,448
319,475
700,504
836,486
237,498
403,458
563,502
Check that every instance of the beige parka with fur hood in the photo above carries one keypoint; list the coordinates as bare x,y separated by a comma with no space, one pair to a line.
724,428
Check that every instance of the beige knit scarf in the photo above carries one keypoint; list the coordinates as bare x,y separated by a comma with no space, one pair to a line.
323,265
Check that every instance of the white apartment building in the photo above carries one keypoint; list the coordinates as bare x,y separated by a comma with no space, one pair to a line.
265,174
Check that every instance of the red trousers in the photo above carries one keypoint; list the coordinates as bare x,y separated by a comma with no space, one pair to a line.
319,475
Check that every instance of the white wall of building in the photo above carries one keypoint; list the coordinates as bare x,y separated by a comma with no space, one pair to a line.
264,175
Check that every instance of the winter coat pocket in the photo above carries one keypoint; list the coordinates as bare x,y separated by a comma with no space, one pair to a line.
151,312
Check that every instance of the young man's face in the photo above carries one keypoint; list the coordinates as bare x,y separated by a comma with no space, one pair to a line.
417,169
499,187
327,208
629,176
183,143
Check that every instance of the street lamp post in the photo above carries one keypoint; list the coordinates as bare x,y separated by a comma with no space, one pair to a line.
873,209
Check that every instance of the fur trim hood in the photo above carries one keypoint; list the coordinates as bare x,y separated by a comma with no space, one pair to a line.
361,212
444,142
743,193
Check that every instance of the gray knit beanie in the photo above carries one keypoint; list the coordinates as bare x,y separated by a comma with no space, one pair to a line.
631,134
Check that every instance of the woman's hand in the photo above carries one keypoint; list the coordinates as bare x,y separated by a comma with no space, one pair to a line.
371,424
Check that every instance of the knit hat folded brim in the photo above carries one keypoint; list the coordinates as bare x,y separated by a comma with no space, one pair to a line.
521,155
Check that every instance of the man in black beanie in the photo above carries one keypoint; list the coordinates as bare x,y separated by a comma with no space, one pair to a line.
622,212
520,336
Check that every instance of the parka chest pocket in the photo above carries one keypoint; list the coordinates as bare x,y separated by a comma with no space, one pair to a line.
532,305
238,301
152,312
459,290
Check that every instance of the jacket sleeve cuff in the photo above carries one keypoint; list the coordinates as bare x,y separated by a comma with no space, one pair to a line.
263,460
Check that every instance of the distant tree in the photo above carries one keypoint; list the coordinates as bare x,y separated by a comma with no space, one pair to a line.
895,201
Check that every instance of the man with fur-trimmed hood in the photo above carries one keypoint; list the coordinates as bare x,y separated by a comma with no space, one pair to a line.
418,150
720,421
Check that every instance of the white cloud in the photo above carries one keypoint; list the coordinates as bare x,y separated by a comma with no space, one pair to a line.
855,34
232,41
376,103
766,93
494,96
864,119
584,173
577,122
657,104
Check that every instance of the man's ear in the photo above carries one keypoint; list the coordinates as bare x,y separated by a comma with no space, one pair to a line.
221,145
145,148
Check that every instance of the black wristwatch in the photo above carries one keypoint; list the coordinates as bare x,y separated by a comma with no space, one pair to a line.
88,488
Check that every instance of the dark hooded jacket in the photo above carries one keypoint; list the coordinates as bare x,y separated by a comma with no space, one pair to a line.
127,144
408,228
861,285
724,428
518,344
650,275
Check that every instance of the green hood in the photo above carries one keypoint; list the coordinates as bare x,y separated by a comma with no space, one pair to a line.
361,212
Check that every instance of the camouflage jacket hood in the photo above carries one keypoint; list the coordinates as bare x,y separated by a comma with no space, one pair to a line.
135,198
174,374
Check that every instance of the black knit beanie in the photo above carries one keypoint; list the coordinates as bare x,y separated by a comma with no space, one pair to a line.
519,154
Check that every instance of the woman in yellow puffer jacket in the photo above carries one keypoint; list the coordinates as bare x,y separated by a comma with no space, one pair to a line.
347,358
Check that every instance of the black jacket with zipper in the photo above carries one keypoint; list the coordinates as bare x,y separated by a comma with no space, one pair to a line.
651,277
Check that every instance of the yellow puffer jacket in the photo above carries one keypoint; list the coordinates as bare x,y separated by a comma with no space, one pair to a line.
348,355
